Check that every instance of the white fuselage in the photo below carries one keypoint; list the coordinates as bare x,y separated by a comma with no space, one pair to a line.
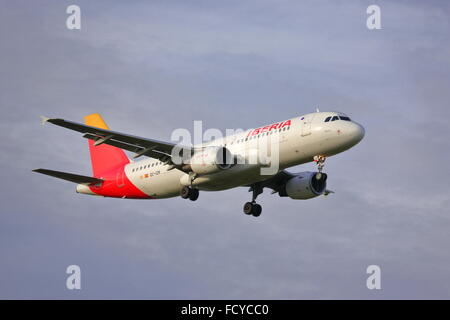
305,137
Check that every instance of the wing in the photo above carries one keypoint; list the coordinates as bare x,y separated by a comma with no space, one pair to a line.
277,182
140,146
69,176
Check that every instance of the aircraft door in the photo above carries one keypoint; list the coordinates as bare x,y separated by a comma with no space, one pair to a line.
306,124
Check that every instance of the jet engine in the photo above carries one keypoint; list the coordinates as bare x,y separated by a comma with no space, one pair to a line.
305,185
210,160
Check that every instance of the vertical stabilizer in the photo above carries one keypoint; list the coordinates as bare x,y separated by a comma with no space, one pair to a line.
104,157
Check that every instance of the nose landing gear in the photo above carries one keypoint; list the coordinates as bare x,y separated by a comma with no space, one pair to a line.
252,208
320,161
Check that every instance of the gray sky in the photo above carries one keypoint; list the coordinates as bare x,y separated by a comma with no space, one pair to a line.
150,67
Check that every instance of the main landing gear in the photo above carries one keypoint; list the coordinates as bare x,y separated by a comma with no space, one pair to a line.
189,193
252,208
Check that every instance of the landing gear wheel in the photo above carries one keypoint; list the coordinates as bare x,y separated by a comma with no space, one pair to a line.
257,209
251,208
194,194
248,207
185,192
189,193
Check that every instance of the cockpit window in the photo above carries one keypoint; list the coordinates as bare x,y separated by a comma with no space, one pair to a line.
334,118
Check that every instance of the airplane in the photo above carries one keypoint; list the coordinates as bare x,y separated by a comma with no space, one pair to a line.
216,165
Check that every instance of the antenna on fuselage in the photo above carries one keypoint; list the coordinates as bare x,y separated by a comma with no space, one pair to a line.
317,109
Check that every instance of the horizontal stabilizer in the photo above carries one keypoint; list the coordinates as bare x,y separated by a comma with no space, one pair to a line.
69,176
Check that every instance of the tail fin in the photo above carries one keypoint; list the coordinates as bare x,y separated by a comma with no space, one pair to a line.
103,157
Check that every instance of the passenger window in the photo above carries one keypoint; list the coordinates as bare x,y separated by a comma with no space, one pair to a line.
327,119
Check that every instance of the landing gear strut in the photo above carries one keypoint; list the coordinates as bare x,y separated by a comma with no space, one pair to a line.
189,193
320,161
252,208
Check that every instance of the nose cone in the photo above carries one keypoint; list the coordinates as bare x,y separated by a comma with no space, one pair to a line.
342,135
356,133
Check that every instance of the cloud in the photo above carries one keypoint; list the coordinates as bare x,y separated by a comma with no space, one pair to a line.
150,68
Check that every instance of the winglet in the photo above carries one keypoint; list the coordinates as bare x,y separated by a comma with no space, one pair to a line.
44,120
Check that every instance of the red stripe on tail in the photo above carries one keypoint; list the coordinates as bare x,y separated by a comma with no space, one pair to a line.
104,158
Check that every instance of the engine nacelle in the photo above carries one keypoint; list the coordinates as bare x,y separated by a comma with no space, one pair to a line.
305,185
211,160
